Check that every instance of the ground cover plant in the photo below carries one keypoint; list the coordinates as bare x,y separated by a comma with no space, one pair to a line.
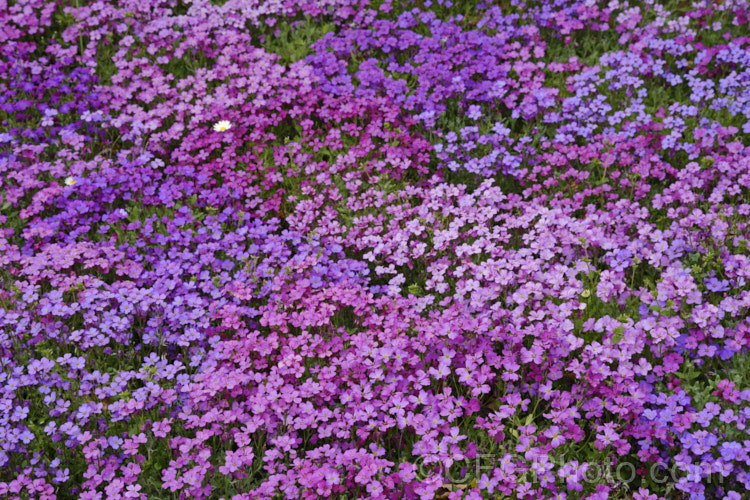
374,249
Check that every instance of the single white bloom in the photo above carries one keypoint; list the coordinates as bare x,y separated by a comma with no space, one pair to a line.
69,181
222,126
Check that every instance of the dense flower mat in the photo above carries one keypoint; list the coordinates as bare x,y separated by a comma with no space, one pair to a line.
352,248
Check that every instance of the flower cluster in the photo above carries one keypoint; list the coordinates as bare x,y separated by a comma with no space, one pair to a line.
433,249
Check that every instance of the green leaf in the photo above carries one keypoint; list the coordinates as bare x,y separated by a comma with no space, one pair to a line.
618,333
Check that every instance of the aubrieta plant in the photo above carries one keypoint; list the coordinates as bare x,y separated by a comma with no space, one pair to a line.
374,249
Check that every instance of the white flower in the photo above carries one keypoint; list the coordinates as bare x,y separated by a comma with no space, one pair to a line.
222,126
69,181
